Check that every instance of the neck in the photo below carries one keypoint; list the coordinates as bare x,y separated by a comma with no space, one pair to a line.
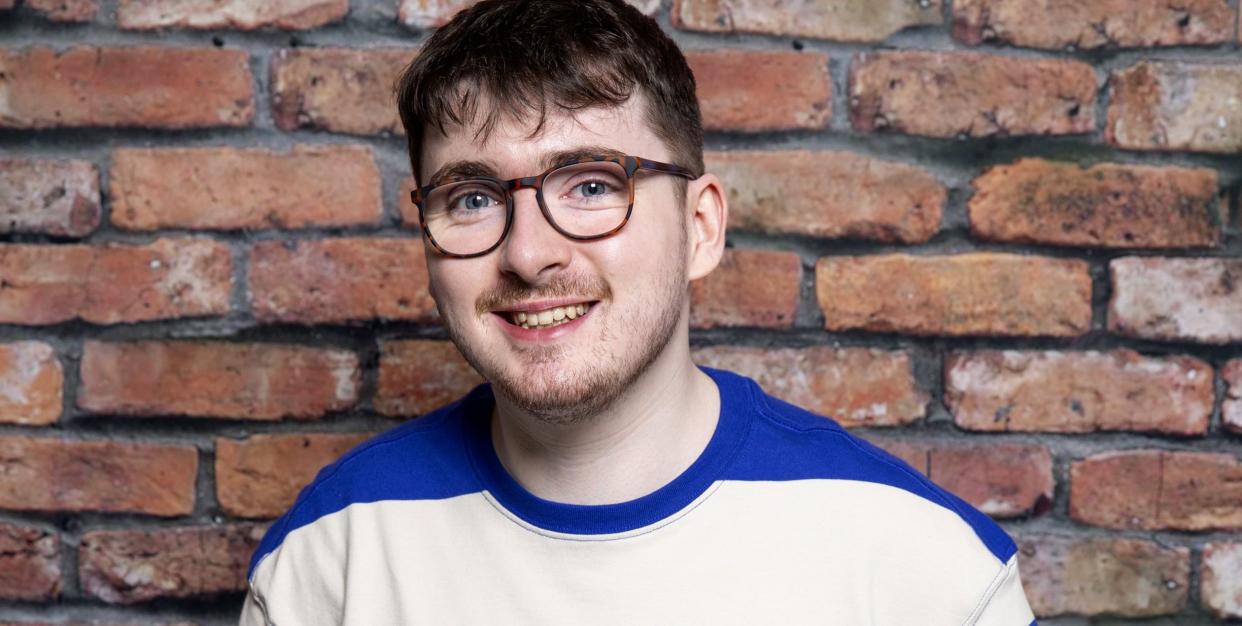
642,441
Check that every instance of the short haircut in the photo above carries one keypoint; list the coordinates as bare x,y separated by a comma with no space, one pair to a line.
526,55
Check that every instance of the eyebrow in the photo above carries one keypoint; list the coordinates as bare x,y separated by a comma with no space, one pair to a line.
465,169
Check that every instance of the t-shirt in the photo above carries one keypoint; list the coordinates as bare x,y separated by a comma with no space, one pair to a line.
784,518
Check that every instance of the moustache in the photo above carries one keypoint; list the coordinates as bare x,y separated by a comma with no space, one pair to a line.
511,291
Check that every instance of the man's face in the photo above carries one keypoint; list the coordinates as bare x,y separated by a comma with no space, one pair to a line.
626,293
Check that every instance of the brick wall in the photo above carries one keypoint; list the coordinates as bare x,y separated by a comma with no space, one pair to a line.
1001,241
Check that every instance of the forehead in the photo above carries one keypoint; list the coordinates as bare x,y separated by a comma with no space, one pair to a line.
518,147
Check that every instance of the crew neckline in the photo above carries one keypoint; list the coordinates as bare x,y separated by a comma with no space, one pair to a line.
602,519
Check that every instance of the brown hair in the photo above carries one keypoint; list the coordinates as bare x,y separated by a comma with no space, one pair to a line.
525,55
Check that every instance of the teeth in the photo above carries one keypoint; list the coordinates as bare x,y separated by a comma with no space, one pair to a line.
551,317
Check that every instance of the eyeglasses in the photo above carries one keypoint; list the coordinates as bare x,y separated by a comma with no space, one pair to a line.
583,200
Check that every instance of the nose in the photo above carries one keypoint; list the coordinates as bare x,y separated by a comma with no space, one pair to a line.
532,251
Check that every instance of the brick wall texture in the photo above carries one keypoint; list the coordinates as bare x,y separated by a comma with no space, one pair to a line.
998,237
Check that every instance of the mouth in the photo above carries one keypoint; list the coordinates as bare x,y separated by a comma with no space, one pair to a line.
546,317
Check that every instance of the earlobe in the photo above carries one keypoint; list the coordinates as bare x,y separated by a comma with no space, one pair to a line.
708,213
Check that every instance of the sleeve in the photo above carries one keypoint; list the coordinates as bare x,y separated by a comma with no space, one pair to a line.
1004,603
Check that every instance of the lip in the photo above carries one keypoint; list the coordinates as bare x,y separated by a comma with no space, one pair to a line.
540,335
541,305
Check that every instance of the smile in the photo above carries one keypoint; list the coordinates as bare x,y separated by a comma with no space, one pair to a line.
547,318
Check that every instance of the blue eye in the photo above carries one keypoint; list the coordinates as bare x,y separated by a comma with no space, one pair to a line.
592,189
474,201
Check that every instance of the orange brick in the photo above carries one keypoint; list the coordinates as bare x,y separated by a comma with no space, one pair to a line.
64,10
1177,299
436,13
1089,24
114,283
1107,205
1157,489
126,86
829,195
340,280
834,20
1103,576
418,376
341,90
1001,480
42,474
756,91
1176,106
213,379
968,94
29,564
260,476
1220,580
228,188
240,14
31,383
749,288
52,197
854,386
967,294
1078,392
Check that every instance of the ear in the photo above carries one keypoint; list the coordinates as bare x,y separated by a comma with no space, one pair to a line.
707,216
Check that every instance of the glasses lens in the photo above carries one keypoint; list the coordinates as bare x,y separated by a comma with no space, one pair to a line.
466,217
587,199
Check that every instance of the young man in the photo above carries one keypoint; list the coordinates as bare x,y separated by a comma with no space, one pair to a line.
601,477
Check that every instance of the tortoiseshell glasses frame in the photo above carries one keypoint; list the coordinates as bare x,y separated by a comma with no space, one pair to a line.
630,164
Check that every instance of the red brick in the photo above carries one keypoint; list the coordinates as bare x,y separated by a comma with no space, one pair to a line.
43,474
29,564
1088,24
436,13
6,5
214,379
1107,205
340,280
341,90
1231,410
854,386
1220,583
749,288
1176,106
132,565
1177,299
52,197
228,188
114,283
838,20
125,86
1078,392
259,477
1155,489
1103,576
418,376
968,94
31,383
240,14
1001,480
829,195
409,212
967,294
64,10
762,90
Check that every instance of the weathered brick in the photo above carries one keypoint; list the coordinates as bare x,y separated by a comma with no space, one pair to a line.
140,86
1177,299
749,288
240,14
762,90
1103,576
52,197
967,294
1152,489
64,10
340,280
114,283
1078,392
31,383
341,90
228,188
1176,106
43,474
1220,581
1000,479
259,477
1107,205
1231,409
854,386
829,195
417,376
968,94
29,563
214,379
1088,24
838,20
436,13
132,565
